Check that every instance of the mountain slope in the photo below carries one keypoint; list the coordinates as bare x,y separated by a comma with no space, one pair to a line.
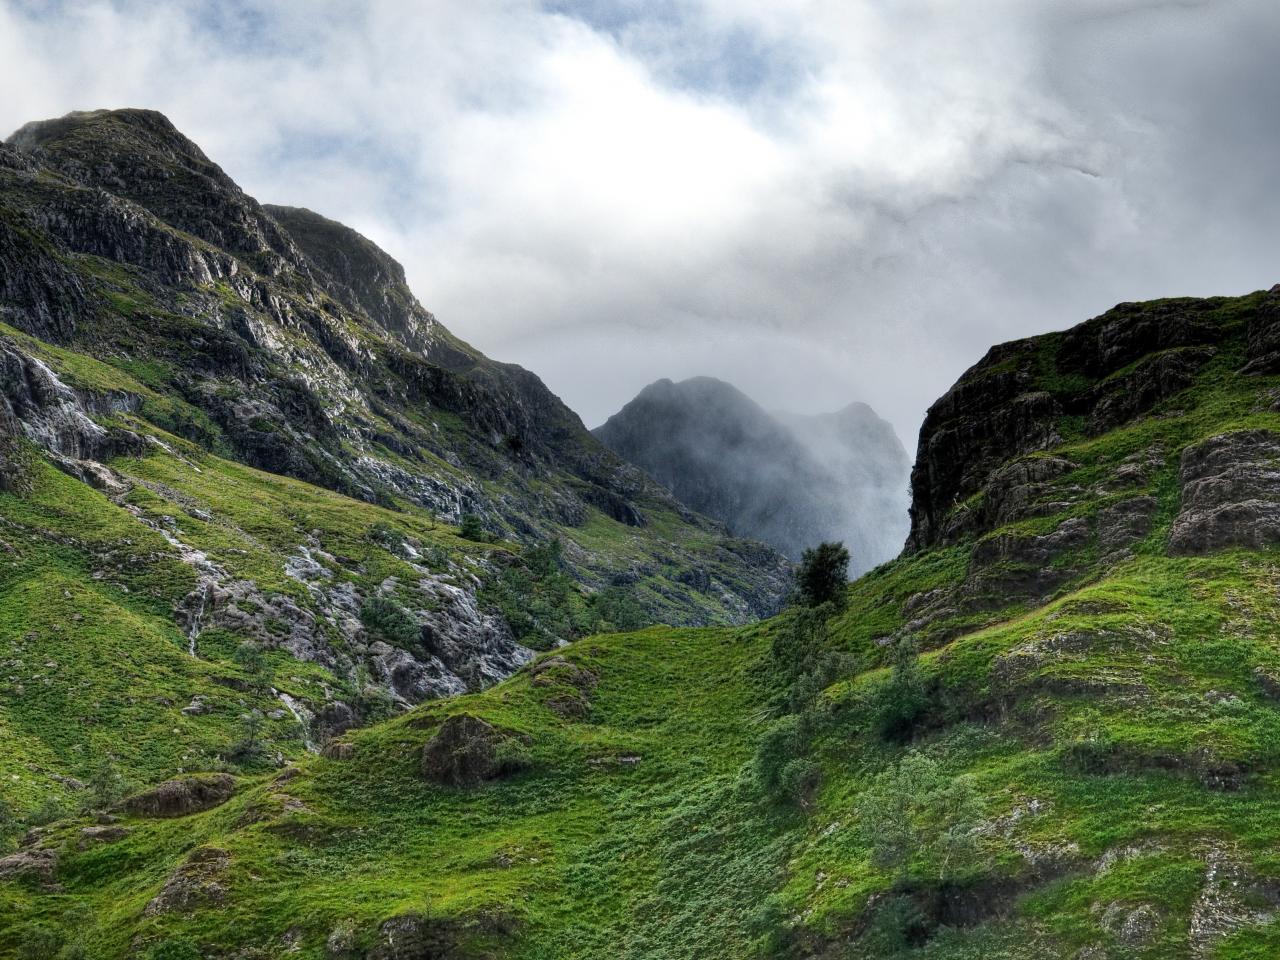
233,463
1081,761
790,480
309,357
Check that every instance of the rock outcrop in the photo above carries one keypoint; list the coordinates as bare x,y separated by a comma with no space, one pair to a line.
979,463
183,797
1230,493
467,751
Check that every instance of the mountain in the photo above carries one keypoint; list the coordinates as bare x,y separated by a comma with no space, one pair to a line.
1047,729
789,480
235,452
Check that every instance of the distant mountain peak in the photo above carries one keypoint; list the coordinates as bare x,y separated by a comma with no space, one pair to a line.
790,480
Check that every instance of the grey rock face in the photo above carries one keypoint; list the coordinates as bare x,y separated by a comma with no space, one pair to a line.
1230,493
55,417
412,680
1264,337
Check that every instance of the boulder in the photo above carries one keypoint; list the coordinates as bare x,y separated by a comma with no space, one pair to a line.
196,883
414,937
183,796
1123,524
41,865
467,751
104,833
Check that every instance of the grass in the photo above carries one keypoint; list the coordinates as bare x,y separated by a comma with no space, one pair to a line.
1115,733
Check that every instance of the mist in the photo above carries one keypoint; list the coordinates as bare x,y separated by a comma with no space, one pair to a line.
791,480
800,198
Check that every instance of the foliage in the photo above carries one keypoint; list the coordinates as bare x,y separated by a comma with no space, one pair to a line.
780,767
472,528
901,701
916,813
388,620
823,575
106,786
174,949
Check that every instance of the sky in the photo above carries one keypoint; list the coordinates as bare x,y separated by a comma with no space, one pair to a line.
819,201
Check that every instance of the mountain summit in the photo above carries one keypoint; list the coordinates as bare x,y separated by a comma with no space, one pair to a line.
792,481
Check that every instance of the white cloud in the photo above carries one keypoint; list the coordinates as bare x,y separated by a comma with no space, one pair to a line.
819,201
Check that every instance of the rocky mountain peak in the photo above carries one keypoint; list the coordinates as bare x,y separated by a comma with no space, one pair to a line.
140,155
792,481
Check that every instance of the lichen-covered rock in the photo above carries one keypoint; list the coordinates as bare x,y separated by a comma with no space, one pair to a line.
1124,523
1230,493
467,751
184,796
38,864
1009,567
199,882
415,937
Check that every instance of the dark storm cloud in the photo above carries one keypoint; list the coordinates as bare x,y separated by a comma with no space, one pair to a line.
817,201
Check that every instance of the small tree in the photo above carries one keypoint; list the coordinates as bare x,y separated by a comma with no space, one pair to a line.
471,528
823,575
916,812
250,658
902,700
106,786
250,734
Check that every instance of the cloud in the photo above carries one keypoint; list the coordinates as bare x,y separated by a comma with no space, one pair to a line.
817,201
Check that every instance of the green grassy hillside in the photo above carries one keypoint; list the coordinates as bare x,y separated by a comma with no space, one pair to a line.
1049,730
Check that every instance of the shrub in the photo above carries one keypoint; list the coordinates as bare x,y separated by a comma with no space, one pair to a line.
902,700
385,618
544,559
823,575
798,780
615,610
472,528
915,811
779,766
897,923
